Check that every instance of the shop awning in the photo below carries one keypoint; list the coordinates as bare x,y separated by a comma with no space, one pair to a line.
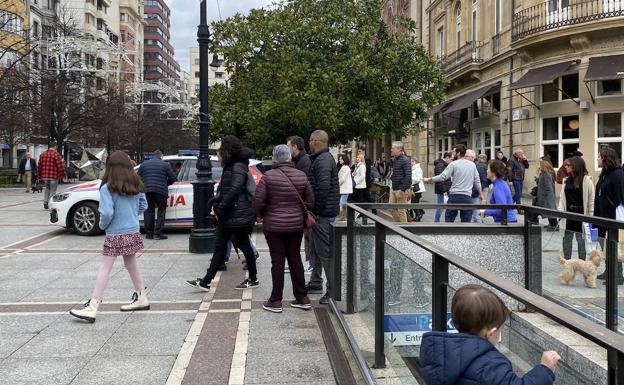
542,75
465,101
437,108
605,68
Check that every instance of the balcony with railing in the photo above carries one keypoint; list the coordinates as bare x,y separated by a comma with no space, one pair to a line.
556,14
466,55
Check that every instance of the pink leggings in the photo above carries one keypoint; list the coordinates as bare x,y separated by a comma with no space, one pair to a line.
105,268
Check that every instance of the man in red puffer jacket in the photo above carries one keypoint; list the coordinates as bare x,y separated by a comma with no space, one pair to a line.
51,168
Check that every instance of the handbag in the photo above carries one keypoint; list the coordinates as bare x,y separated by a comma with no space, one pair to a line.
308,218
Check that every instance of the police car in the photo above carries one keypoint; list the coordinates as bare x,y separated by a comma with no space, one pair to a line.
76,208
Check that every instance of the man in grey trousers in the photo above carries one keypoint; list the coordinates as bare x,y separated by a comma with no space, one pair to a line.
323,176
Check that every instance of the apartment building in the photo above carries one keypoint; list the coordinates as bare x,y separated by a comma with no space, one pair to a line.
215,75
159,63
14,24
131,30
545,76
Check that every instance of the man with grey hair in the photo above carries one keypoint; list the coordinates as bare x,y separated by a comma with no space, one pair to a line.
323,176
401,181
517,165
157,176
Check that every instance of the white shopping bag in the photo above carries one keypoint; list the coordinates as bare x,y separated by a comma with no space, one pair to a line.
445,199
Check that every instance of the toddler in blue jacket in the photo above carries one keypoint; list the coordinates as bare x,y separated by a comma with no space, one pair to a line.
470,357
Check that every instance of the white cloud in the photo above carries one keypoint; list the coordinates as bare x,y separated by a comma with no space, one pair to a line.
185,18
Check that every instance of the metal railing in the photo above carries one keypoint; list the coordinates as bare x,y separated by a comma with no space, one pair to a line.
605,337
555,14
467,54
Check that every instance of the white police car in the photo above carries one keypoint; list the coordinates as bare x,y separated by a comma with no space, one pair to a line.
76,208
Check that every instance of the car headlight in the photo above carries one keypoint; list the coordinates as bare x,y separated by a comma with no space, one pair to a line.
60,197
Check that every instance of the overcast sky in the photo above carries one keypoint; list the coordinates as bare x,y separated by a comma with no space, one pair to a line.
185,18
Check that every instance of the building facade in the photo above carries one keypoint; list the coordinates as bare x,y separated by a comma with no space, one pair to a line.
159,62
131,29
14,26
215,75
545,76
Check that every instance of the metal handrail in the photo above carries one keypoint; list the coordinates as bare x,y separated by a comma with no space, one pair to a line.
608,339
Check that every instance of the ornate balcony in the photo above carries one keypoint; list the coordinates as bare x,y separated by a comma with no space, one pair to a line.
556,14
465,55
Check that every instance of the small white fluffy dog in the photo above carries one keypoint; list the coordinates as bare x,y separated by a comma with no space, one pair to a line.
587,268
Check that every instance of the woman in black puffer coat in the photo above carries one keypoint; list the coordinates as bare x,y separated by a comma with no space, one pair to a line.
233,208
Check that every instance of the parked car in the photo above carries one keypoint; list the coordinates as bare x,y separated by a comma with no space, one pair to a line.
76,208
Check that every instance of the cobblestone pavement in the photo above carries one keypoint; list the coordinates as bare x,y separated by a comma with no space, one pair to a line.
220,337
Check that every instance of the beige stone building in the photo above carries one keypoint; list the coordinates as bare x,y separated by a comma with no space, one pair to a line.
546,76
215,76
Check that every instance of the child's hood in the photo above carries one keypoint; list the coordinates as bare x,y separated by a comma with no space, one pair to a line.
444,357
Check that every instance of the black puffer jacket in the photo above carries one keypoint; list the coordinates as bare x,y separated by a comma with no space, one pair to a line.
232,205
441,187
302,161
323,176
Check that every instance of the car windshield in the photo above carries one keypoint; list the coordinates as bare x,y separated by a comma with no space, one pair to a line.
190,170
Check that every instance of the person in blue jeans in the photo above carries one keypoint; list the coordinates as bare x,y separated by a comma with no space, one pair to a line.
229,250
441,188
465,177
517,166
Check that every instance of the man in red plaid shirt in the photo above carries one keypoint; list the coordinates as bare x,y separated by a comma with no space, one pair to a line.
51,168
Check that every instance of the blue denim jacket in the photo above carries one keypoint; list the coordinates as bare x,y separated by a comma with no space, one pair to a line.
119,214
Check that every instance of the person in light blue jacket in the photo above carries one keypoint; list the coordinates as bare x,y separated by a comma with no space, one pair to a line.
122,200
501,194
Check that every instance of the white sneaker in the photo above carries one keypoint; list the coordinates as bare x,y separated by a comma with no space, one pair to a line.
139,302
88,312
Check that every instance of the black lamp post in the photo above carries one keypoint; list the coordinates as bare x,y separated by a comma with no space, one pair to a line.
202,236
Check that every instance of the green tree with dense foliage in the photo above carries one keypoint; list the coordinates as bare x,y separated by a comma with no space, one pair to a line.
303,65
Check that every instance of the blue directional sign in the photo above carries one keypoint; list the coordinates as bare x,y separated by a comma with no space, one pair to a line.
408,329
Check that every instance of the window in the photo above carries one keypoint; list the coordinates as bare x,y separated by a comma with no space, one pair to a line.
196,61
440,42
563,88
609,132
560,137
11,22
609,87
35,28
458,26
196,74
487,141
445,145
497,17
475,25
219,75
487,105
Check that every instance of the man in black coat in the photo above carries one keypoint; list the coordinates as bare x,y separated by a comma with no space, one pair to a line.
401,181
300,157
323,176
157,176
302,162
441,188
27,171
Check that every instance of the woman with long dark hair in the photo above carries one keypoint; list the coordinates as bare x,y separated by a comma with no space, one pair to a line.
233,208
345,182
545,194
577,197
609,195
501,193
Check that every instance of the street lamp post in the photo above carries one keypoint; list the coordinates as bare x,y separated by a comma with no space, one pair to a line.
202,236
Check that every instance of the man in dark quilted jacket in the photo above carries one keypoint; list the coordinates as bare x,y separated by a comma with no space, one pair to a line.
156,175
323,176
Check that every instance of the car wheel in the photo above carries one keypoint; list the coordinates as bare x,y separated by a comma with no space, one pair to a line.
85,219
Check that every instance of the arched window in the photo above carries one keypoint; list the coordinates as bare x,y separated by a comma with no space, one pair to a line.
458,25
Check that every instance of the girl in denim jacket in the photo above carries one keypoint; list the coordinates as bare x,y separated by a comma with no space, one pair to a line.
121,202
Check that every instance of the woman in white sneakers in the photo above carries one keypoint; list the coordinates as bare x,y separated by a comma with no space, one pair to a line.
346,184
121,202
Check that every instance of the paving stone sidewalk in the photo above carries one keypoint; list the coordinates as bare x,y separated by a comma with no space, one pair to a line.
188,337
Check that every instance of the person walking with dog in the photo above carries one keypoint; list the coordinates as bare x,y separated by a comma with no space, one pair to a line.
234,212
121,202
281,201
51,168
609,202
27,171
157,176
577,197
